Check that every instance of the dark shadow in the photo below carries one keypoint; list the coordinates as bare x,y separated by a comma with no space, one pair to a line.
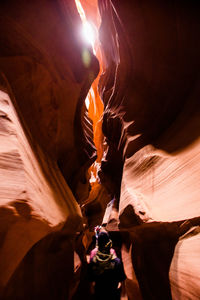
128,218
153,246
46,272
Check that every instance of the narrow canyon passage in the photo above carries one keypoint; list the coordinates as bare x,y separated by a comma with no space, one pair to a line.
99,125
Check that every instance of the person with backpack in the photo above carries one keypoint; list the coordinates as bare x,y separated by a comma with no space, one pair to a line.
105,269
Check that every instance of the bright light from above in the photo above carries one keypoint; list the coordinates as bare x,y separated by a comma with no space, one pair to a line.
88,33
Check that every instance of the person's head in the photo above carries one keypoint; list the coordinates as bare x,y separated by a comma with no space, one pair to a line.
104,242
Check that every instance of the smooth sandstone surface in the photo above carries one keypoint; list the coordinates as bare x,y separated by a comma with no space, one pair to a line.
151,88
146,144
33,203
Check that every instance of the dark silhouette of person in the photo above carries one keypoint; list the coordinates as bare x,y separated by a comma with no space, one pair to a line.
105,269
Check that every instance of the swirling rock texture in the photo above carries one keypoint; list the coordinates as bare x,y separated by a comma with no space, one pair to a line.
150,88
43,149
147,157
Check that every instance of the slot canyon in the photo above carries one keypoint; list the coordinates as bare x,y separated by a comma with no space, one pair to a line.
100,132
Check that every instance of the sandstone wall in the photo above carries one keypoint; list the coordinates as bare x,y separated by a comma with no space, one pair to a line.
44,82
150,88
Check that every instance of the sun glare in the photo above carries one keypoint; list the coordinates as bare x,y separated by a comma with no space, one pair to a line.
88,32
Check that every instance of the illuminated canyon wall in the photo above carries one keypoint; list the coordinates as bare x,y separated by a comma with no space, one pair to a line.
43,148
151,92
147,157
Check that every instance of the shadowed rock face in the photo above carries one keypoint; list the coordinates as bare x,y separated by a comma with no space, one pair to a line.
151,88
43,262
44,82
51,268
42,58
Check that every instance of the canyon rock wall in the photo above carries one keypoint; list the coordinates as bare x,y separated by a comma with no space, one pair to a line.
149,84
44,149
151,89
50,70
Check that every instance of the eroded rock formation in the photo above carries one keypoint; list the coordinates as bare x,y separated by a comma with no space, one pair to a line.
42,140
147,158
150,90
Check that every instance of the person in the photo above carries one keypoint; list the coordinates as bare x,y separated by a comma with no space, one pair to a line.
105,269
